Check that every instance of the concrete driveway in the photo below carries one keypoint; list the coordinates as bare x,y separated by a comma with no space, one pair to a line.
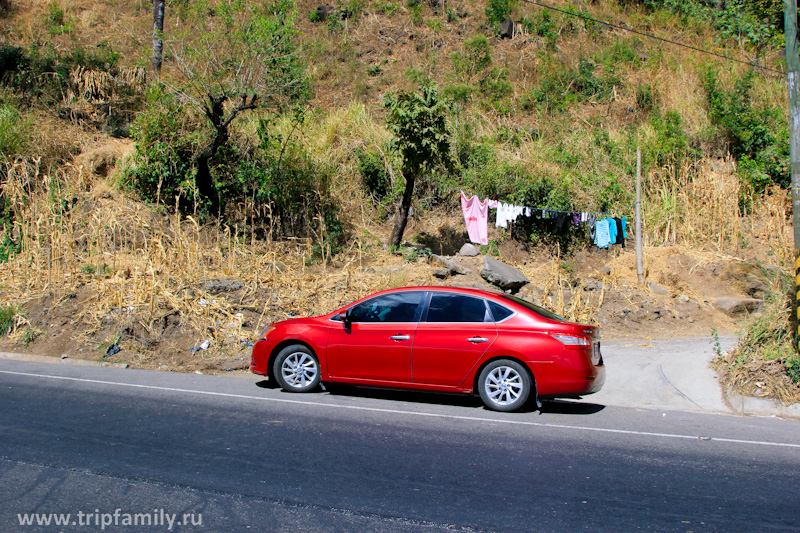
670,374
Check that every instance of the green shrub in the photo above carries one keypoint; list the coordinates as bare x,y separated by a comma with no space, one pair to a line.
15,131
476,57
8,318
163,165
56,21
541,24
499,10
460,93
647,98
374,178
755,22
757,135
670,144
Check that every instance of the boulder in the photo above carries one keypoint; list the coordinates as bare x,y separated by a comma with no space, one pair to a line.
323,11
276,266
451,266
507,29
502,275
469,250
216,286
442,273
734,305
658,289
592,285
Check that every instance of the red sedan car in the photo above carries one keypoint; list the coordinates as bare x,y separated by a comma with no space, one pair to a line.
442,339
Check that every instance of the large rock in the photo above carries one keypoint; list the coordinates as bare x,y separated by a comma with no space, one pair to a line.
504,276
735,305
507,29
452,267
658,289
323,11
469,250
216,286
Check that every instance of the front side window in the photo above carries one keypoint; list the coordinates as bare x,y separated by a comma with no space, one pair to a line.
394,307
457,308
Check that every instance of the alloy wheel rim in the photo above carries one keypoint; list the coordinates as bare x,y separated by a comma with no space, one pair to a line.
504,385
299,370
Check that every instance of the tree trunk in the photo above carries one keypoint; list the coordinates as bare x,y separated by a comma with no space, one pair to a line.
402,213
158,32
205,183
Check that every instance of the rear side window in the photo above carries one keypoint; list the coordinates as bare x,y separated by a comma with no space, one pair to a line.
499,312
394,307
533,307
457,308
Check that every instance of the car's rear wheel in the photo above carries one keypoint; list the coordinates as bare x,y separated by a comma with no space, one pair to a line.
504,385
296,369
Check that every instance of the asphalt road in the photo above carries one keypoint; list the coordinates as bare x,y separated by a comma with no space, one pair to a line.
237,456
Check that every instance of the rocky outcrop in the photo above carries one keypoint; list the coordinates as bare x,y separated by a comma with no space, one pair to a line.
502,275
507,29
733,306
449,268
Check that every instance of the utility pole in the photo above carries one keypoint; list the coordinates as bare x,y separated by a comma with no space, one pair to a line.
793,72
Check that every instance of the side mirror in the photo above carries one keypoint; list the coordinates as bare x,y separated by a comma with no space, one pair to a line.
346,319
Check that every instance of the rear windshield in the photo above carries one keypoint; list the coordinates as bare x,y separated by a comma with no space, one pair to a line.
533,307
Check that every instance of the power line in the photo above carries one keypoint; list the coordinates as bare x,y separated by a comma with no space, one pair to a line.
655,37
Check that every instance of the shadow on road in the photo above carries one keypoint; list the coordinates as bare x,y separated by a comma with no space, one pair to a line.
267,384
458,400
566,407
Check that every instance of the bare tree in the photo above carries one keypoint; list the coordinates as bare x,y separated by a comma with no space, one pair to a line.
234,56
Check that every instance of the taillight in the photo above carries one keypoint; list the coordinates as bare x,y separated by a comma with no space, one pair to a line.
571,340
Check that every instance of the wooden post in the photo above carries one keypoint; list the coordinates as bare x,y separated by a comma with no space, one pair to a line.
638,209
792,74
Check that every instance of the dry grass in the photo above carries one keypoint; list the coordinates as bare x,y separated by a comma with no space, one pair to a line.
758,365
693,205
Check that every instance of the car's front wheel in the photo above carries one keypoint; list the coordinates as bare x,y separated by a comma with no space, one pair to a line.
504,385
296,369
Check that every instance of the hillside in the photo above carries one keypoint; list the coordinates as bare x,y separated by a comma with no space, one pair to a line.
113,236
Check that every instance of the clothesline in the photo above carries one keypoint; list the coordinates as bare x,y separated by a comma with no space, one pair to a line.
476,216
497,202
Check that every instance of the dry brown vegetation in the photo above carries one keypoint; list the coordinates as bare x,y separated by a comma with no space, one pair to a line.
97,266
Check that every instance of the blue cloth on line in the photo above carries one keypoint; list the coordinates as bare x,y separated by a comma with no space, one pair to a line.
602,237
612,230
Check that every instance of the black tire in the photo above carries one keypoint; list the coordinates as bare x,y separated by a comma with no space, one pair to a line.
504,385
296,369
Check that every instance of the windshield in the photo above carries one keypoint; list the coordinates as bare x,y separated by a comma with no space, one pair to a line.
533,307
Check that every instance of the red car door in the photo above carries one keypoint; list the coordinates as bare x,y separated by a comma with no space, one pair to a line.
456,332
376,344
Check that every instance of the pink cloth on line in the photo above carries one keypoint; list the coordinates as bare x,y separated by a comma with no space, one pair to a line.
476,215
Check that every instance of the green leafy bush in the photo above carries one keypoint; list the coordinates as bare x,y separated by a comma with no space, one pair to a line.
475,59
541,24
163,165
8,319
374,177
15,131
499,10
560,86
756,134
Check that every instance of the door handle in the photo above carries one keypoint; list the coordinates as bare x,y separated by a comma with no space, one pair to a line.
476,340
400,337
